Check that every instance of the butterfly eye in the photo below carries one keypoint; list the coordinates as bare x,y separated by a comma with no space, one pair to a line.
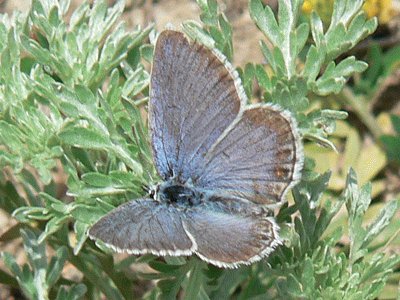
151,190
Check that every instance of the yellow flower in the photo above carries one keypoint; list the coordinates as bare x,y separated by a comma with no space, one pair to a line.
383,9
322,7
308,6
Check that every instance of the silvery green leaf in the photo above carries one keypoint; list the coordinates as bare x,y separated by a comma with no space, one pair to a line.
194,31
265,20
380,222
85,138
75,292
56,266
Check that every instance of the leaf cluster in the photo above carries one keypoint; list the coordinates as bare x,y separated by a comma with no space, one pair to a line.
287,82
71,96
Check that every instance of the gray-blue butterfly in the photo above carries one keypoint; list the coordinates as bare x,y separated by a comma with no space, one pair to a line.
223,164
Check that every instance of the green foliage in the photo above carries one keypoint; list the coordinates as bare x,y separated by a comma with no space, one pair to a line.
392,142
215,32
70,97
39,276
313,270
290,84
381,66
371,86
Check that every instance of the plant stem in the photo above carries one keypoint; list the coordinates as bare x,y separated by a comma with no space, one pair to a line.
195,279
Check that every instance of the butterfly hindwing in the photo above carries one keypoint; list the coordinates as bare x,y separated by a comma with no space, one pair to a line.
223,231
144,226
228,232
258,159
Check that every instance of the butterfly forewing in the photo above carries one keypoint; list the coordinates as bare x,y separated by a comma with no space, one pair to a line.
193,99
202,133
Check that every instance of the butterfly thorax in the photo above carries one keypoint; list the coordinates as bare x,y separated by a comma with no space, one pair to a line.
178,194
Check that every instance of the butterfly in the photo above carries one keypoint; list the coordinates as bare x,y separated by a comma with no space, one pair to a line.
223,164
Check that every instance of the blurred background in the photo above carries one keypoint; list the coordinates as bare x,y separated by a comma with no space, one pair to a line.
245,34
368,141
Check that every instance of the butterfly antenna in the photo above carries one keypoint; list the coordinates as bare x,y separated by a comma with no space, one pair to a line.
146,188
